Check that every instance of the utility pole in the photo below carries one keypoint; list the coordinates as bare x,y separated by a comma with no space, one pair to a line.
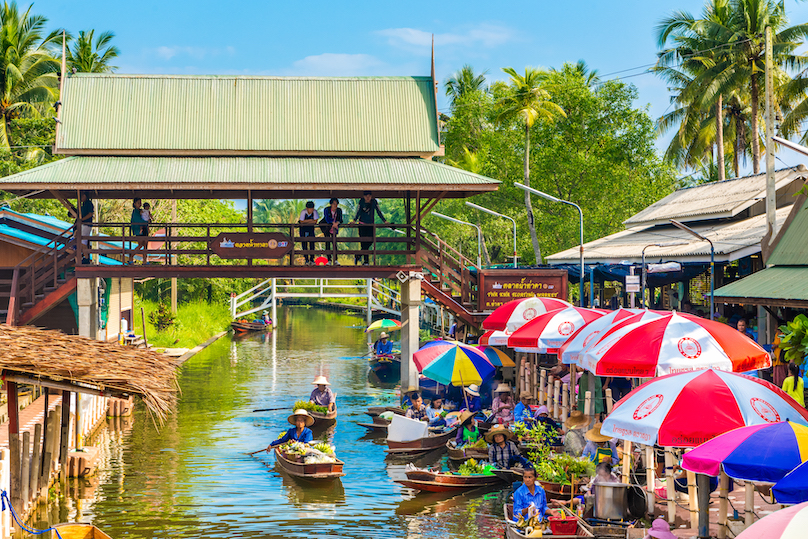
173,258
771,193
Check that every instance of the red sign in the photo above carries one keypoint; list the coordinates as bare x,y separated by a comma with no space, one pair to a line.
499,286
251,245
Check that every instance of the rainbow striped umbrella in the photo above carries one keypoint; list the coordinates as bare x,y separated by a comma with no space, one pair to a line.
793,488
384,324
497,357
452,362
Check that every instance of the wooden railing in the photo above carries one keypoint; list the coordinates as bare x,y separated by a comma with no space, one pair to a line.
453,273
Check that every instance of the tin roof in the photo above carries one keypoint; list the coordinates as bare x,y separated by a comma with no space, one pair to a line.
716,200
776,286
112,114
791,248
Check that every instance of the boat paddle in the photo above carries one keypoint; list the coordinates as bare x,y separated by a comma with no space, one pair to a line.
271,409
259,451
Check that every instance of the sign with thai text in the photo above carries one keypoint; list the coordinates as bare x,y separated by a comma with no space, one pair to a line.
501,286
251,245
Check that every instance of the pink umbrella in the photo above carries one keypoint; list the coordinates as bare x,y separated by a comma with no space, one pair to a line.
788,523
516,313
547,332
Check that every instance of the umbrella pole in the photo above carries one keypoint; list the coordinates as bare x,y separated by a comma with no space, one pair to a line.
465,397
650,478
704,504
749,503
692,502
723,492
671,491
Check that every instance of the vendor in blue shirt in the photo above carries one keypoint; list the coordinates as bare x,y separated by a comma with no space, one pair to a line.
473,398
300,432
599,447
384,347
529,499
522,412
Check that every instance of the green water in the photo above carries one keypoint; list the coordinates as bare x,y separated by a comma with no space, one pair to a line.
192,478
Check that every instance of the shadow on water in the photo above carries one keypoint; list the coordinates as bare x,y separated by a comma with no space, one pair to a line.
192,478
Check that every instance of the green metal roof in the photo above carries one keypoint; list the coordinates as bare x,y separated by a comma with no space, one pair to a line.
116,175
106,114
775,286
792,244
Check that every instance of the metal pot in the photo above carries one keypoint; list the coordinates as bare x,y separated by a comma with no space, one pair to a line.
611,500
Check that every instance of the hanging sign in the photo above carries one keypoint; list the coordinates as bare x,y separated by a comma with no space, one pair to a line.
499,286
251,245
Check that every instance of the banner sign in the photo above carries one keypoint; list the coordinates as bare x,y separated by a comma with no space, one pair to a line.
251,245
499,286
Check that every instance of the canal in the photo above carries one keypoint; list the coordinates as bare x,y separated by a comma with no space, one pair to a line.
192,477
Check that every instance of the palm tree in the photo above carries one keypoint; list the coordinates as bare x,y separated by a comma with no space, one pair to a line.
464,82
84,56
527,101
29,81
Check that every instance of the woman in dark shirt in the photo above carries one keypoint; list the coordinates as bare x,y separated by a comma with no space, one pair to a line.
85,219
366,211
329,224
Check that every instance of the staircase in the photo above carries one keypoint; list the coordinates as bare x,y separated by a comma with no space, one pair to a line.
40,282
450,278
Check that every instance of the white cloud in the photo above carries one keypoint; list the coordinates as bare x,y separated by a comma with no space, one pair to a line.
481,35
336,64
166,52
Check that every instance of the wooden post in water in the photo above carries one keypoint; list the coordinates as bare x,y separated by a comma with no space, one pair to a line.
671,491
609,401
556,398
749,503
542,381
691,500
627,454
44,470
565,404
588,404
14,444
723,493
36,461
64,433
25,469
534,377
650,478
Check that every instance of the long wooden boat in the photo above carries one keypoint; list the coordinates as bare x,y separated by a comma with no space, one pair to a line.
374,411
560,491
322,471
242,326
379,424
420,445
430,481
512,532
323,420
463,453
80,531
385,365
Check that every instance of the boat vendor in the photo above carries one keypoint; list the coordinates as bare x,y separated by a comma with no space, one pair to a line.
473,396
383,347
417,411
322,394
603,474
300,432
436,413
503,404
574,439
502,451
265,319
600,447
529,500
543,417
522,412
467,432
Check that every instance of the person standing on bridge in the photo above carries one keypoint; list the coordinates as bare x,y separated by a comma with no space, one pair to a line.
308,218
366,211
329,224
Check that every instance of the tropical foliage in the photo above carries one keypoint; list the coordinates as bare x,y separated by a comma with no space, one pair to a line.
87,56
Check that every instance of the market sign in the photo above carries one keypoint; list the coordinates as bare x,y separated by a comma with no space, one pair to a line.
251,245
501,286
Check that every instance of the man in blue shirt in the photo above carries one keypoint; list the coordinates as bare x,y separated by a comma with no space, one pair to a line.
522,412
529,500
384,347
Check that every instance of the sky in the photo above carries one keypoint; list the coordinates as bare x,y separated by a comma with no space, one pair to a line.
302,37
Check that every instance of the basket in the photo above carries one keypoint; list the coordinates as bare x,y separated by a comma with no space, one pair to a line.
563,526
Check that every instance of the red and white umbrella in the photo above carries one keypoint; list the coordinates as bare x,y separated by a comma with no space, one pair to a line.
590,333
688,409
494,337
671,344
547,332
515,314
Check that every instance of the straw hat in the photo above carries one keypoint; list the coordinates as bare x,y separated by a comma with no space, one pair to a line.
594,435
499,429
465,416
321,380
503,388
473,390
301,413
577,419
383,335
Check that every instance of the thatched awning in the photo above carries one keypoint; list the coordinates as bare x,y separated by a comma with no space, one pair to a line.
51,358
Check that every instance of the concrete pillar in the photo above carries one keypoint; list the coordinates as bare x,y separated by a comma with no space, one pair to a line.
410,302
87,299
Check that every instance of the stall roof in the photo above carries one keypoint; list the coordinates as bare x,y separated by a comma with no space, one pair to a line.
732,240
230,177
716,200
117,114
778,286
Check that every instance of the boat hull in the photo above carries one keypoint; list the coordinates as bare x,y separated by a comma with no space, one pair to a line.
421,445
323,471
512,532
462,454
447,482
323,420
246,327
80,531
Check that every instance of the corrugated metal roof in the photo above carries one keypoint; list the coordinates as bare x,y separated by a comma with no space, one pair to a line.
251,114
792,246
259,173
787,283
714,200
732,240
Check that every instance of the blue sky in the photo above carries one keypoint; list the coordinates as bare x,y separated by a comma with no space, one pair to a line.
383,37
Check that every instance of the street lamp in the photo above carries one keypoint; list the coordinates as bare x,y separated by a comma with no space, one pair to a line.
666,244
689,230
554,199
492,212
479,234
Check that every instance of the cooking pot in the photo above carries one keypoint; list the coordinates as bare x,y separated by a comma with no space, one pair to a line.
611,500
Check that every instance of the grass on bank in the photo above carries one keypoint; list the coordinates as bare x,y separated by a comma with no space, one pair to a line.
195,323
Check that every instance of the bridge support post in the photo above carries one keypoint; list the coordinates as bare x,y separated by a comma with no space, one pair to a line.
275,302
86,301
410,303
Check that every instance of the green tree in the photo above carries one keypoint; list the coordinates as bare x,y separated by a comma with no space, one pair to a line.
464,82
87,56
28,72
528,101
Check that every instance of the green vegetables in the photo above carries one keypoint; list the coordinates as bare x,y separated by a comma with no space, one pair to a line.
472,467
479,444
310,407
550,466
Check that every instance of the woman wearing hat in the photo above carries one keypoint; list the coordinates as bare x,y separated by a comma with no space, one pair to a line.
473,397
574,440
660,530
600,447
467,432
503,404
502,451
322,394
383,347
300,432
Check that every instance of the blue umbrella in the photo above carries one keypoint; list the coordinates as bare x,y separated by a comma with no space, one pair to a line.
793,488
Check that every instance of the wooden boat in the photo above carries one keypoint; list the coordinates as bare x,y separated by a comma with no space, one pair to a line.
512,532
323,471
379,424
374,411
509,476
243,326
463,453
385,365
430,481
80,531
420,445
559,491
323,420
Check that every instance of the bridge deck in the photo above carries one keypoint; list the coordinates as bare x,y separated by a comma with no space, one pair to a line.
265,271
